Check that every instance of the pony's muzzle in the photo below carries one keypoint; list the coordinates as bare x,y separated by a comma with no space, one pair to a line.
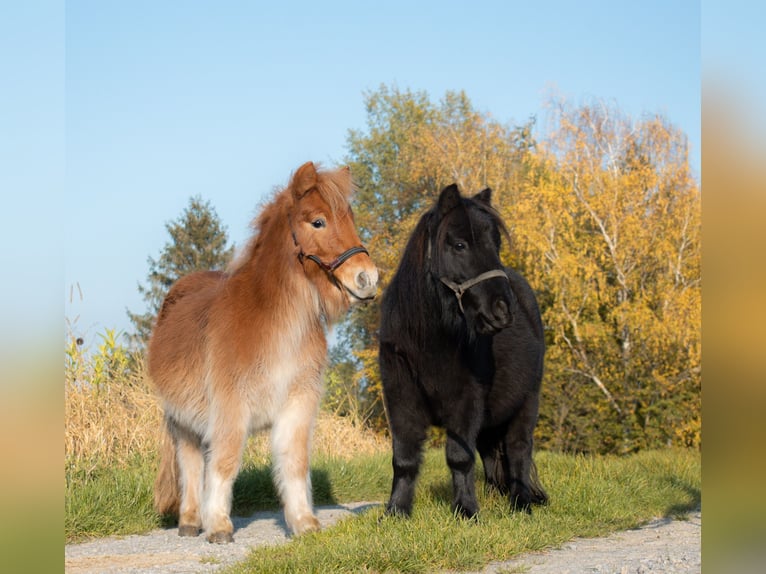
365,285
495,317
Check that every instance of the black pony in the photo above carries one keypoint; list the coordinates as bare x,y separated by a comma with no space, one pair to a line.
461,347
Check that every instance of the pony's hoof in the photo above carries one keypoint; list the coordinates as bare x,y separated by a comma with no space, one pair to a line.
466,512
188,530
220,538
307,524
397,511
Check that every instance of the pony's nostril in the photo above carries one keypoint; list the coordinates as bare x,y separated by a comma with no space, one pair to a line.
501,310
363,280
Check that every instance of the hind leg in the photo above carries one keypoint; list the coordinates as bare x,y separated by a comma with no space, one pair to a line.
291,443
518,477
191,464
491,447
224,456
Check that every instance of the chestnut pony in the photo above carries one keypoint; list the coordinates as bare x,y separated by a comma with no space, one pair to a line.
238,351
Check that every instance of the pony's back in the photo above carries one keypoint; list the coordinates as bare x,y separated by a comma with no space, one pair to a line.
178,335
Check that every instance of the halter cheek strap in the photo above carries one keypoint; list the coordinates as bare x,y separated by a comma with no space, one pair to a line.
460,288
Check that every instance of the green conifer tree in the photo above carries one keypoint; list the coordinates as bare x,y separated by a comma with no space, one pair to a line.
198,241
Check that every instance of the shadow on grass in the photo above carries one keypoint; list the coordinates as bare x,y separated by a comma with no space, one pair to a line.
276,518
441,492
254,491
681,509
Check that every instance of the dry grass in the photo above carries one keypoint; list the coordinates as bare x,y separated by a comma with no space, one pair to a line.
113,422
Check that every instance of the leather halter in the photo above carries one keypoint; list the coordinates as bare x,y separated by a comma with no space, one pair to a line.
460,288
330,267
335,263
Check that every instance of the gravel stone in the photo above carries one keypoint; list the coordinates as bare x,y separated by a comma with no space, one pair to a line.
662,546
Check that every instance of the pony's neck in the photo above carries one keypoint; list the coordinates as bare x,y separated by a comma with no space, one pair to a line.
271,274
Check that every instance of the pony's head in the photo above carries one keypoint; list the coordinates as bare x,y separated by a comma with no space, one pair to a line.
325,237
463,255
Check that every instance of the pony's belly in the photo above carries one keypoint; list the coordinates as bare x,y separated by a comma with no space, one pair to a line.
267,393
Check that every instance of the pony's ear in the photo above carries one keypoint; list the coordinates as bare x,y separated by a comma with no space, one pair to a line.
345,174
304,179
485,196
449,199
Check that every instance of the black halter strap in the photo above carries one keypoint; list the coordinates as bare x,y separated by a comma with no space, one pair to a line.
335,263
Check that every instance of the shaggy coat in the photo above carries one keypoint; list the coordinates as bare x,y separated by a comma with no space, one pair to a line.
461,347
243,350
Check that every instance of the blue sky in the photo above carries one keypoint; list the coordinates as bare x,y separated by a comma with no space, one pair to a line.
164,100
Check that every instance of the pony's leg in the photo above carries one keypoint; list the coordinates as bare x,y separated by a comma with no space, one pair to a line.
408,438
463,428
291,443
191,464
521,478
224,456
461,445
491,447
408,420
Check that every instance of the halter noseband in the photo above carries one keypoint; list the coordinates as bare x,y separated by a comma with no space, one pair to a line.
330,267
335,263
460,288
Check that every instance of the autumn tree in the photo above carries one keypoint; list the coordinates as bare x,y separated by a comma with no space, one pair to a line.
604,216
607,229
410,150
198,241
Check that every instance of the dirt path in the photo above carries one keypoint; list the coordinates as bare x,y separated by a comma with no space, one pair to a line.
662,546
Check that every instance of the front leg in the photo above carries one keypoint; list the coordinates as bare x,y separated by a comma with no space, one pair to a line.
408,421
460,459
224,456
462,432
407,445
291,443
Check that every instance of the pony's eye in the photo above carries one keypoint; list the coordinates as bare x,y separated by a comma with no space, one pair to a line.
460,246
318,223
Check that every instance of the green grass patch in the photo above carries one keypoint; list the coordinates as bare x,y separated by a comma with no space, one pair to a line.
104,500
590,496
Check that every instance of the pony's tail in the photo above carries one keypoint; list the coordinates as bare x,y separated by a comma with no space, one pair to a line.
539,496
167,495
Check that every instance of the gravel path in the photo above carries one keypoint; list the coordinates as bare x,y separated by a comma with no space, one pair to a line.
662,546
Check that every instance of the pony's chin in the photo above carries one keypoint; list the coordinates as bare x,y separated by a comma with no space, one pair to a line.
355,298
484,326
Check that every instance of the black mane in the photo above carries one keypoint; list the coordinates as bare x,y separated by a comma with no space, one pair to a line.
461,347
415,299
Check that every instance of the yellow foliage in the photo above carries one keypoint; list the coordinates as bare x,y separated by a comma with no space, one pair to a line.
605,220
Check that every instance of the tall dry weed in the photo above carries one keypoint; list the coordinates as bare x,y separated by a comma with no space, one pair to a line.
110,420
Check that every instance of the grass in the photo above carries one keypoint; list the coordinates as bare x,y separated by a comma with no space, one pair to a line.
111,436
590,496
